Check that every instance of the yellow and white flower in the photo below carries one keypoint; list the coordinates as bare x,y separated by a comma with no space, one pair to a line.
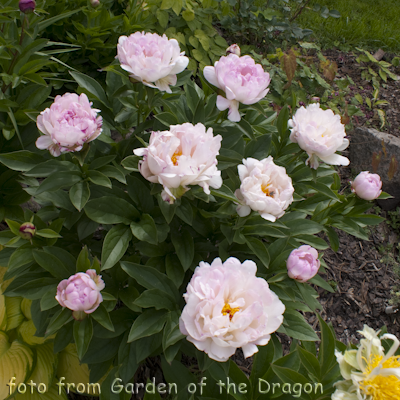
369,373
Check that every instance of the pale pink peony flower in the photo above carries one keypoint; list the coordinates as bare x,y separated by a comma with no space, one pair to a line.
303,263
265,188
184,155
68,124
81,293
320,133
367,186
242,80
228,307
152,59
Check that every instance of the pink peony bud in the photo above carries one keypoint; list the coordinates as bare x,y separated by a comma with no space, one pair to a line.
27,230
233,49
68,124
367,186
27,6
94,3
81,293
303,263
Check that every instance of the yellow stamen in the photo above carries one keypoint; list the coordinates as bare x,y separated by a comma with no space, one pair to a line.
227,309
382,387
265,189
175,157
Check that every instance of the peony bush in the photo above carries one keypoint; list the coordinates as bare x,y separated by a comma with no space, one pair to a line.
186,222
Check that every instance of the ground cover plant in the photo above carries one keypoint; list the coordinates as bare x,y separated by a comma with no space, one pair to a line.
368,24
176,218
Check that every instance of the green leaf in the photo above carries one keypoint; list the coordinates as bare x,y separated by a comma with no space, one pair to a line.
303,227
83,262
59,180
79,194
282,121
49,21
290,377
171,333
225,193
91,85
147,324
115,245
48,301
167,118
101,161
99,179
317,280
327,191
103,318
297,328
145,229
168,210
150,278
326,355
155,298
22,160
51,264
111,210
113,172
184,247
59,319
48,233
310,362
259,249
83,333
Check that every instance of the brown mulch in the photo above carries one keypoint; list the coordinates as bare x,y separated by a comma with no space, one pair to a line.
389,91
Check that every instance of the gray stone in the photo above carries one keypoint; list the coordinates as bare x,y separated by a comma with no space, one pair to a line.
377,152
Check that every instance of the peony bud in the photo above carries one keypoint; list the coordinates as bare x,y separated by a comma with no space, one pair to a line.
81,293
303,263
94,3
233,49
27,6
27,230
367,186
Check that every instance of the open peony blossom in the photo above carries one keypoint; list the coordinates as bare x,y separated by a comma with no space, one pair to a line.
369,373
184,155
81,293
68,124
320,133
242,80
265,188
228,307
152,59
367,186
303,263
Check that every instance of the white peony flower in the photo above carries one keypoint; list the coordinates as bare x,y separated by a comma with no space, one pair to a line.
369,373
228,307
319,133
184,155
265,188
152,59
